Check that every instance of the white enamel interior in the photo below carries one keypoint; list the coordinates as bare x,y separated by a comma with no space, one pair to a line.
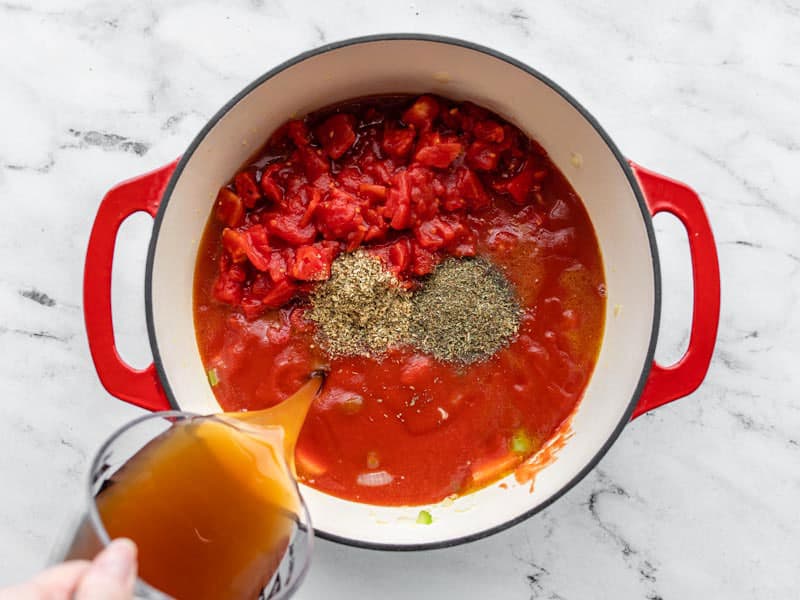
460,73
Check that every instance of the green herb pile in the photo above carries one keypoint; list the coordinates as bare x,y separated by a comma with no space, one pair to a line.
463,312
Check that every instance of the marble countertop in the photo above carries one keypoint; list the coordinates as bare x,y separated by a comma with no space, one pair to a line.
699,499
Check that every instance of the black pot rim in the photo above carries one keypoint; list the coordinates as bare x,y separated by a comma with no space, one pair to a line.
586,115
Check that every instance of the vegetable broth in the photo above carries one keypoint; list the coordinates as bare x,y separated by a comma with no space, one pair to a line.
211,503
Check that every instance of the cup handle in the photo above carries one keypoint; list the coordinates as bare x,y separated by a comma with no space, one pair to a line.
680,379
143,193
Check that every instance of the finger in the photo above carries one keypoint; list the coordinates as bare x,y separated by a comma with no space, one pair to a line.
58,582
61,580
111,575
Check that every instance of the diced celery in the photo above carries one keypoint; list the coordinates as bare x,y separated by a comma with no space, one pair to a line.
521,442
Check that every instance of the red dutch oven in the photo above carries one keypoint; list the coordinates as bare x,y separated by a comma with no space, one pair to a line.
620,196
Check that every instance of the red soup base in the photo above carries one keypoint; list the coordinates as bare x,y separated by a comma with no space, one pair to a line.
412,180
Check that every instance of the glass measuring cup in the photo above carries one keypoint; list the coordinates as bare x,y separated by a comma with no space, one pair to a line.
90,536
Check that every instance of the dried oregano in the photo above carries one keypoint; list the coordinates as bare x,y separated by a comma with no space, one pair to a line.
466,311
362,309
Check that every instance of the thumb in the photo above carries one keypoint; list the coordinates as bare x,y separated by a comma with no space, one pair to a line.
112,574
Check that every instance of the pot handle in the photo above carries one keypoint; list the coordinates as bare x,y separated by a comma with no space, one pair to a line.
666,384
143,193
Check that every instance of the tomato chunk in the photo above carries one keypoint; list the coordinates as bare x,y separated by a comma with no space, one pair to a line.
277,267
235,243
423,260
336,134
252,306
471,115
400,256
230,208
438,155
298,133
247,188
300,321
422,113
521,186
377,227
269,183
314,163
288,227
397,143
488,131
228,286
316,197
482,156
261,285
279,295
435,233
398,202
469,186
257,248
379,170
227,290
466,245
339,215
313,263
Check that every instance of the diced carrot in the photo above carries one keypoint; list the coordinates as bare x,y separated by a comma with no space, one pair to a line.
486,471
309,465
376,191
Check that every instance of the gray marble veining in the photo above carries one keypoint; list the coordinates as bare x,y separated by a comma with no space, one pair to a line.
700,499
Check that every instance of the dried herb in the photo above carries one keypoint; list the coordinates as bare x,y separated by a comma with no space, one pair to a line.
362,309
465,312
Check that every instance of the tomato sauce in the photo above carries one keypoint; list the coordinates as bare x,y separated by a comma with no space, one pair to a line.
411,180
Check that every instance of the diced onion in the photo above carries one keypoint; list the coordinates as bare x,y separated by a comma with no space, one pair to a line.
374,479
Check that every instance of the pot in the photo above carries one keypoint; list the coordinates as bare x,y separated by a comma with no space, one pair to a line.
620,197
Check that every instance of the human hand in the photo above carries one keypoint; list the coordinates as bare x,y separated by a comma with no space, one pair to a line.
110,576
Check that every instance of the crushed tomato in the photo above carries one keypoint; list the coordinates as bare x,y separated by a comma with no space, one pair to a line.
362,176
